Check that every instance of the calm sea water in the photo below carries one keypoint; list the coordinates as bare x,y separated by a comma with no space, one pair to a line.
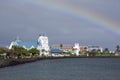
65,69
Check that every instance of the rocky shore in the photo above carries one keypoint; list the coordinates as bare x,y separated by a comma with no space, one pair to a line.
13,62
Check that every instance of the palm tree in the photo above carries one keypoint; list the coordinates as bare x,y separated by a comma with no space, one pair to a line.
117,51
106,50
98,51
117,48
93,52
61,46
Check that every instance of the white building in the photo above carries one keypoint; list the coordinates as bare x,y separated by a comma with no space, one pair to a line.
76,48
41,44
90,48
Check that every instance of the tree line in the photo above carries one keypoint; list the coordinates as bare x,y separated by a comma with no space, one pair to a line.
18,52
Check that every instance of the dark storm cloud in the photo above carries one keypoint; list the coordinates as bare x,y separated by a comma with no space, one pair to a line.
28,21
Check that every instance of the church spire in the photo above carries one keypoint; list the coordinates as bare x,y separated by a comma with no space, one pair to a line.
18,39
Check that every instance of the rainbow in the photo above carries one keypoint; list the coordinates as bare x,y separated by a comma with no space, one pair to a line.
103,24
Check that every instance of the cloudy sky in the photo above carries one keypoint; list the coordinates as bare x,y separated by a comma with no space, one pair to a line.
63,21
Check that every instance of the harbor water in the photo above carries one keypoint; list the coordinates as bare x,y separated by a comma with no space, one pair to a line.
65,69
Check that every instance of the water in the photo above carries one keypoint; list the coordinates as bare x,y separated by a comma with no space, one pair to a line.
65,69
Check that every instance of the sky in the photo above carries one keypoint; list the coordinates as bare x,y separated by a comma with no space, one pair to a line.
87,22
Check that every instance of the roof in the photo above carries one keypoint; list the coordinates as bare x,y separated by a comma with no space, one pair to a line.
28,44
56,51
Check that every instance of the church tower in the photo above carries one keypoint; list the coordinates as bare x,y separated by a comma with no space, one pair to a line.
43,41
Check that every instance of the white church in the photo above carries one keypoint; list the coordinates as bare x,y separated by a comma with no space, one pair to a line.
41,44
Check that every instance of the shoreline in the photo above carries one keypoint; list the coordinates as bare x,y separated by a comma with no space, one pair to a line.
14,62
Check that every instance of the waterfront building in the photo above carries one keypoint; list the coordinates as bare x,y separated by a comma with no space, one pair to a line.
64,47
41,44
76,48
56,52
83,48
90,48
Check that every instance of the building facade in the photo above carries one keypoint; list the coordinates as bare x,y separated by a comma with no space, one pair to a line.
42,44
76,48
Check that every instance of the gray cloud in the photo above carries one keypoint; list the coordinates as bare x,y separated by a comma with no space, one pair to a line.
29,20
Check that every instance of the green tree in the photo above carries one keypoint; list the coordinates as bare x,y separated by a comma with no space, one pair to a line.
106,51
93,52
3,52
19,51
68,52
98,53
34,51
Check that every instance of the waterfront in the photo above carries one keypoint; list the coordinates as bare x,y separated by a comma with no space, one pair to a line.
65,69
